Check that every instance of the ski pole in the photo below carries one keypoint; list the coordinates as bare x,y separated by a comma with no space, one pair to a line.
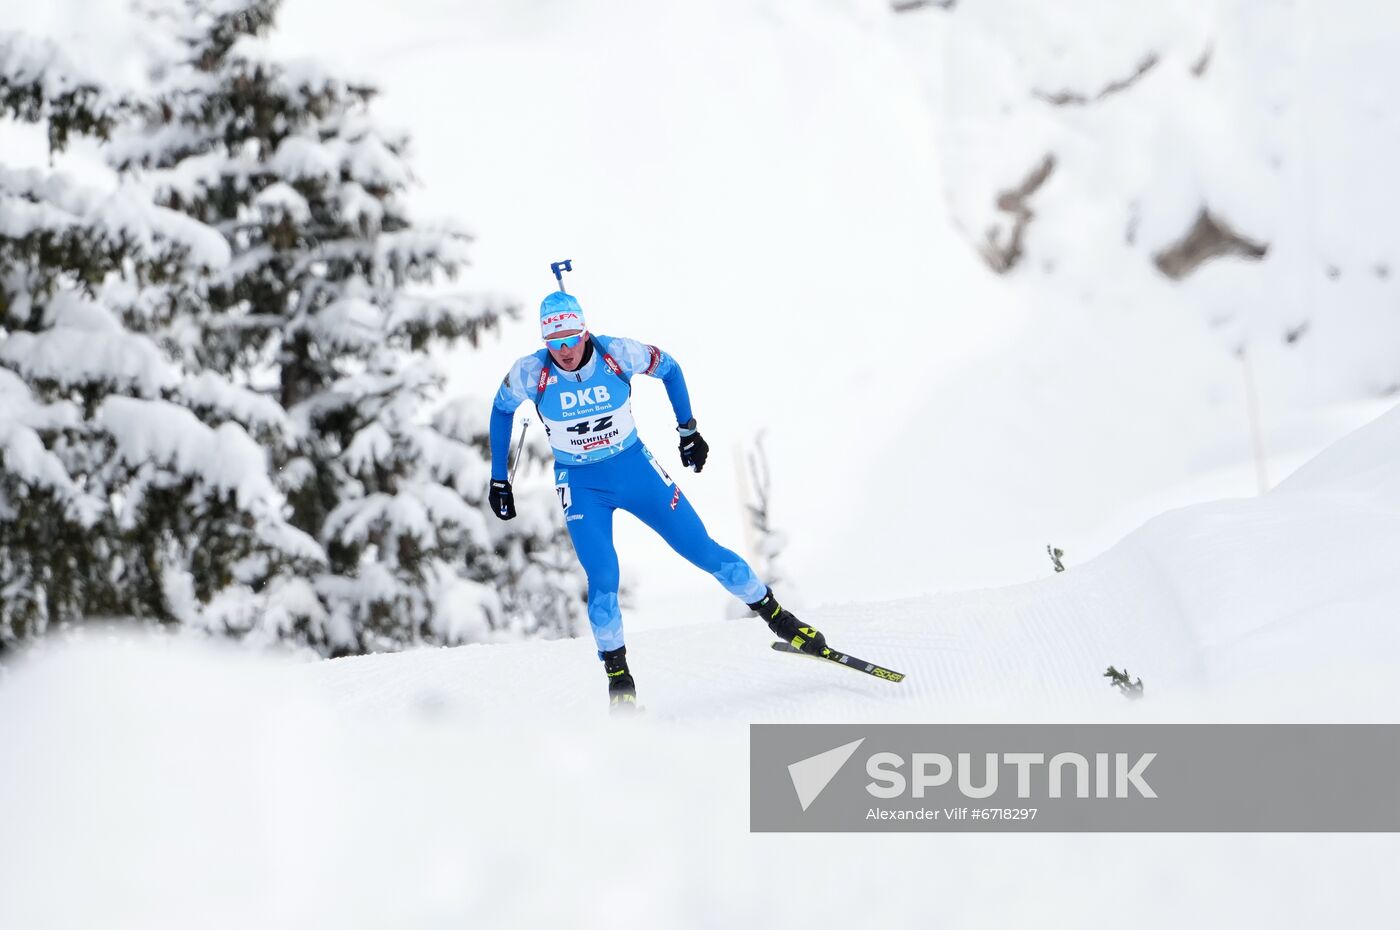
559,268
520,446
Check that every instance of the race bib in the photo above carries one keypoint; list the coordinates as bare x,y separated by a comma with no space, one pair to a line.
581,436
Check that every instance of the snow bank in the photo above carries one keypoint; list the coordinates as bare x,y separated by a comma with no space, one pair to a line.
446,786
1291,590
1362,465
213,785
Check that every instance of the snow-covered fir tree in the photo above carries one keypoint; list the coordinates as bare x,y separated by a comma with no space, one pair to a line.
309,331
331,304
115,497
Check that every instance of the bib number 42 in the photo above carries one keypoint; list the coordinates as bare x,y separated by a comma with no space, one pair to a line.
583,427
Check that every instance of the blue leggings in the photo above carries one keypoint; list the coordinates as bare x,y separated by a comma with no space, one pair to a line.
636,482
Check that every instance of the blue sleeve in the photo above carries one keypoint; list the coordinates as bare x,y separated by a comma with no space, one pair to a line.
675,390
501,425
512,393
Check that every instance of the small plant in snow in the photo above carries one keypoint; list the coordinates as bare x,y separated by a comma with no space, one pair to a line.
768,540
1121,680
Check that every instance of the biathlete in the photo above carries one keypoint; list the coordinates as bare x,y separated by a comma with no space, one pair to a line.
581,385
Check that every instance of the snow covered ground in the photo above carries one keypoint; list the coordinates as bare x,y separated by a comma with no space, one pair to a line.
159,784
788,195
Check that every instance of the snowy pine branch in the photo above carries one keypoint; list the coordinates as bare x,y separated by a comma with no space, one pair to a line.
41,84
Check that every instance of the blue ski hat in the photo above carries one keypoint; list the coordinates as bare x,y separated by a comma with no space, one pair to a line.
560,312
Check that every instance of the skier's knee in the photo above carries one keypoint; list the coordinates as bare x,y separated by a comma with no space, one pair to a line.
603,578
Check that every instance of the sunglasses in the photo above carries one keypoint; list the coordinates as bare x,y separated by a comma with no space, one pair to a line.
566,342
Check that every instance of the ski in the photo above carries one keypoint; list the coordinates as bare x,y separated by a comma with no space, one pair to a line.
842,658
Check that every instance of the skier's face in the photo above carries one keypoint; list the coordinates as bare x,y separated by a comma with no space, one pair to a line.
568,358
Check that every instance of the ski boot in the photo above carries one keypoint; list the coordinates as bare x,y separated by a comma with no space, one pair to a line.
622,690
787,627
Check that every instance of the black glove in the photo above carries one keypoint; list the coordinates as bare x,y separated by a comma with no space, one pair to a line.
502,500
694,449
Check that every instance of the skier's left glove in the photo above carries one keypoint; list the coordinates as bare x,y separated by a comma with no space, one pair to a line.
694,449
502,500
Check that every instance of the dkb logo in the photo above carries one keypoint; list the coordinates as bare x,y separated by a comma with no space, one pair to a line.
584,398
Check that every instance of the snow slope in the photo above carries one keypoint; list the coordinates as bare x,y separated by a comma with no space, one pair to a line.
163,785
1290,587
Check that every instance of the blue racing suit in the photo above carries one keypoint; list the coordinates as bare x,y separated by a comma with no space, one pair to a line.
601,465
